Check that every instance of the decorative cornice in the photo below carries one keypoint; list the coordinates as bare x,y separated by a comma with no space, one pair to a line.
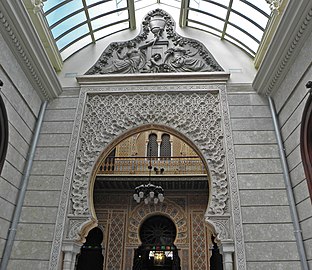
294,29
152,78
19,33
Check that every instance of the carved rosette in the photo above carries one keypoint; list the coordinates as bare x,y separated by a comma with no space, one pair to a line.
169,208
157,49
107,116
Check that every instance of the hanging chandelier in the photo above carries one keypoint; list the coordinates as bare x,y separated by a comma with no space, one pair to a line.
149,193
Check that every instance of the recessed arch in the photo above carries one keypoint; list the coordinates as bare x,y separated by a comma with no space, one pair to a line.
306,142
4,133
147,127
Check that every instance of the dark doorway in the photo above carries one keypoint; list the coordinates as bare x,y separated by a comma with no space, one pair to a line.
216,262
91,256
157,251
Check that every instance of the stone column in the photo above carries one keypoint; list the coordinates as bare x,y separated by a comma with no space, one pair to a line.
70,249
227,250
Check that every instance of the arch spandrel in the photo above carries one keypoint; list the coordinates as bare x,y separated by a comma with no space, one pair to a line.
108,116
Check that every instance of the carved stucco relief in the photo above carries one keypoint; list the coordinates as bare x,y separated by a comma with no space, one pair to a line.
104,113
108,116
157,49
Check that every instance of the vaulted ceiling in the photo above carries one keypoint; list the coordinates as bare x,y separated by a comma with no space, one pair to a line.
76,23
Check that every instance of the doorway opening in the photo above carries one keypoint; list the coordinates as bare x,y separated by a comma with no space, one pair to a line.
157,251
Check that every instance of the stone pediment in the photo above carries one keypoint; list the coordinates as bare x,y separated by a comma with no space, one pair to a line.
158,48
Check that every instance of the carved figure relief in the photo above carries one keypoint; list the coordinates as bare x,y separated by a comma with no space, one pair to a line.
158,48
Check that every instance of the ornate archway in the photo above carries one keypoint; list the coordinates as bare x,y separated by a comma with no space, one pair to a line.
105,115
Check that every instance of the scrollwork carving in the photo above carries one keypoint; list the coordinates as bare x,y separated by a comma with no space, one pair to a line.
108,115
158,48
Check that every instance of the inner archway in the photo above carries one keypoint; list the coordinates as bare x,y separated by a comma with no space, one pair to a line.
157,234
177,166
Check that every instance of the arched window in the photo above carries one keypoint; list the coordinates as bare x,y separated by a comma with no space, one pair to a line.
306,139
152,146
165,146
4,133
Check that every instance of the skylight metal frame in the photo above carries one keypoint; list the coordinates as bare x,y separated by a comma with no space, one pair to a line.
185,21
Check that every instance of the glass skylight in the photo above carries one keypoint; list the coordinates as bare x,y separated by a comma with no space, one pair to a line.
76,23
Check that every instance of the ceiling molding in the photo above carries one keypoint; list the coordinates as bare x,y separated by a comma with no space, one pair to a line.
293,30
18,31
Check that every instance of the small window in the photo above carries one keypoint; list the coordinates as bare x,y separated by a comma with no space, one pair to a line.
165,146
152,146
4,133
306,139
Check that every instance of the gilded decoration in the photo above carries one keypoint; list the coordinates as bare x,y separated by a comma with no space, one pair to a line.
158,48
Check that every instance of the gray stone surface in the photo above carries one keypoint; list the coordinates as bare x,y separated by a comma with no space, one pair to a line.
268,232
6,210
54,140
11,174
60,115
297,174
271,251
258,166
51,153
254,137
56,127
63,103
4,228
35,232
39,214
15,158
256,151
292,141
301,192
15,137
251,124
263,197
266,214
261,181
306,227
42,198
34,264
304,209
246,99
250,112
273,265
35,250
8,191
308,248
294,158
45,182
48,168
292,122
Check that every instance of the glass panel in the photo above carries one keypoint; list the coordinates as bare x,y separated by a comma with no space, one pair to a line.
68,24
246,25
143,3
206,19
204,28
110,30
240,45
108,19
250,12
239,35
105,7
63,11
261,5
209,8
75,47
80,31
172,3
50,4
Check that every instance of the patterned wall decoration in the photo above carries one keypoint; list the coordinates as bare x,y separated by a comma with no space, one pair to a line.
169,208
122,108
115,244
199,242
